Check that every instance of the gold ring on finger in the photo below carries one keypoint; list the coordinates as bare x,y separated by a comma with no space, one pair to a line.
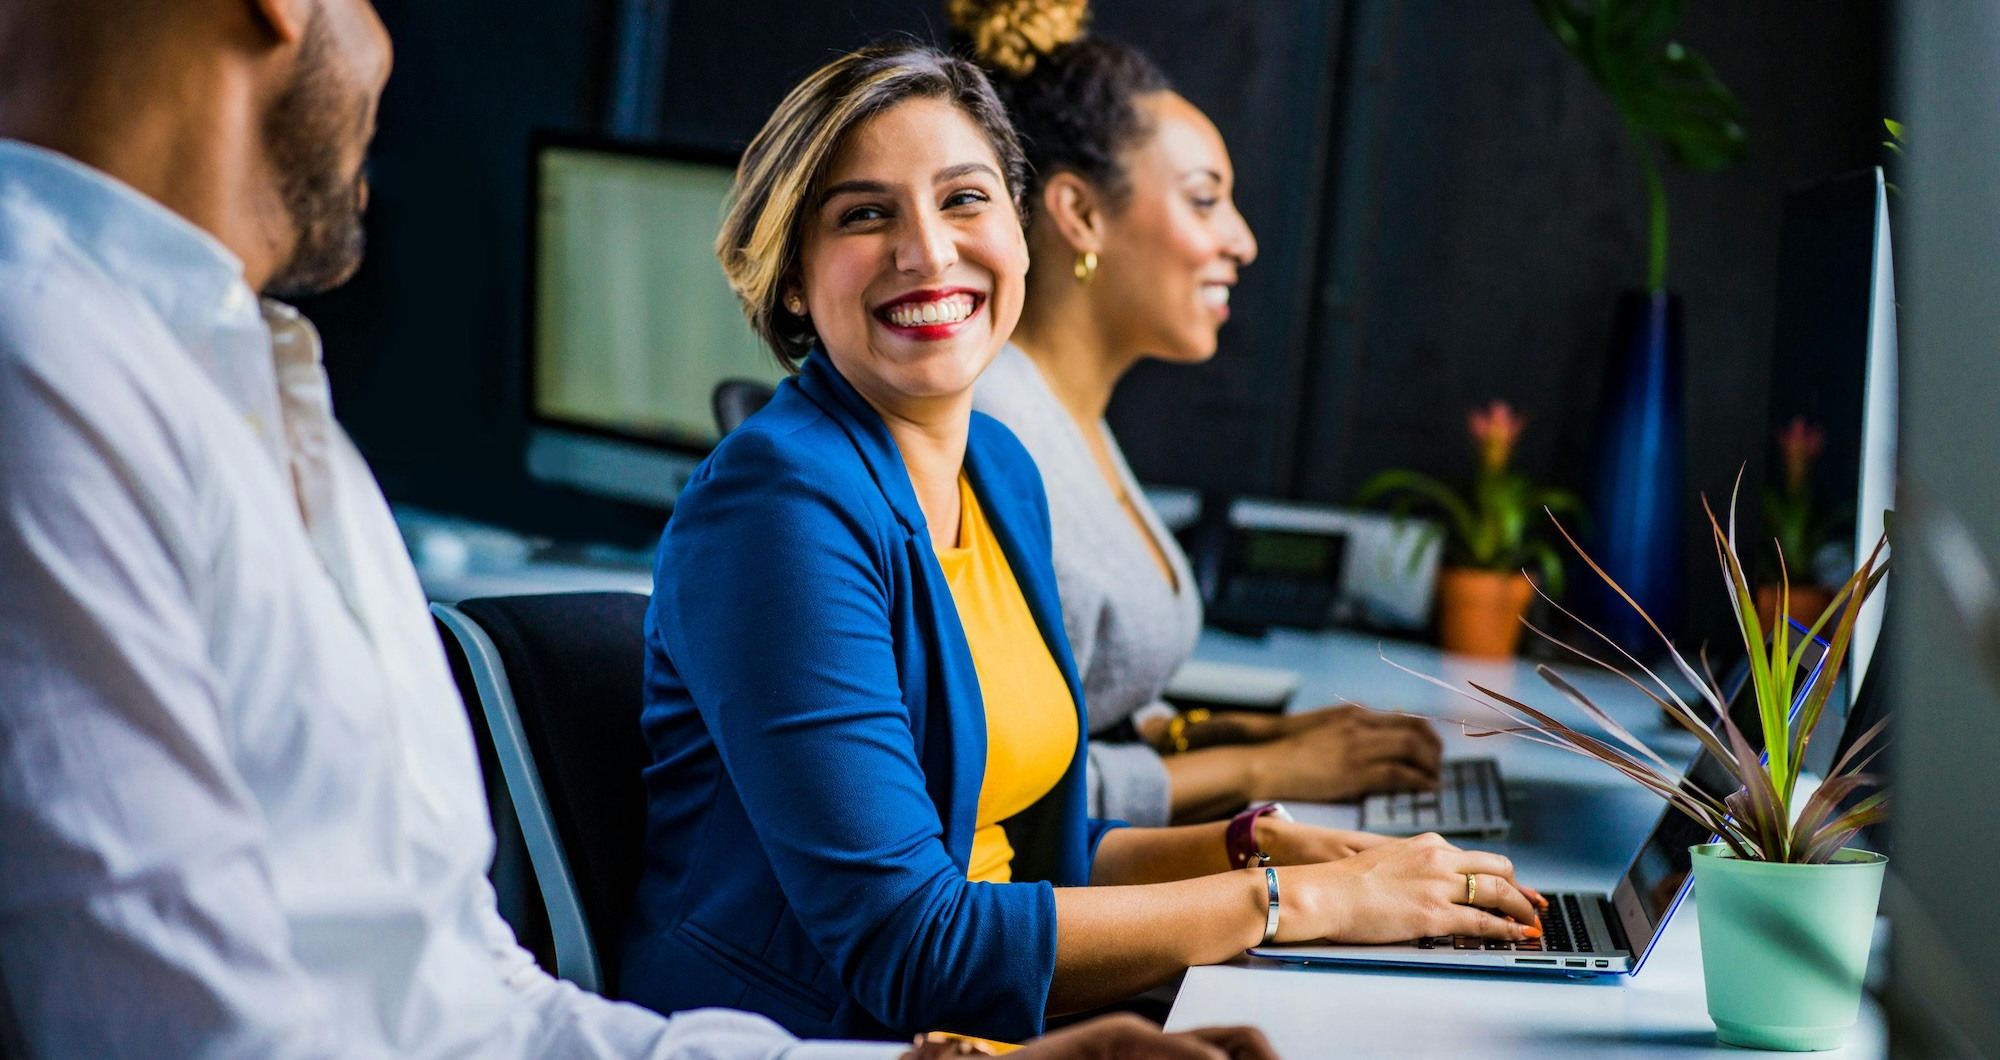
1471,888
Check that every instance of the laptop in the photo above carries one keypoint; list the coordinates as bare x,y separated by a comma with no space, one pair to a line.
1583,934
1469,800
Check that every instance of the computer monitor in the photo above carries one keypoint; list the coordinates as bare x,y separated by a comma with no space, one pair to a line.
631,323
1834,368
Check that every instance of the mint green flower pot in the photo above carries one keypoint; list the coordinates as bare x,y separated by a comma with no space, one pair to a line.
1783,947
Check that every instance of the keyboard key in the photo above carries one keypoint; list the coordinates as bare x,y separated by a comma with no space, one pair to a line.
1529,944
1467,942
1498,944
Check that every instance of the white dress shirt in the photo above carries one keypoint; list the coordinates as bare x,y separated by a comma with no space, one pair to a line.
240,808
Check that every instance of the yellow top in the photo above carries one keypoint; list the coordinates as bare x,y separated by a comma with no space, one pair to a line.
1030,715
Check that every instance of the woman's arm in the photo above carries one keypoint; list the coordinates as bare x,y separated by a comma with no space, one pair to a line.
1130,856
1112,942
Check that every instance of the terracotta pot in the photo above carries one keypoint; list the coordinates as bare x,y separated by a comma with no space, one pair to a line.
1808,601
1479,611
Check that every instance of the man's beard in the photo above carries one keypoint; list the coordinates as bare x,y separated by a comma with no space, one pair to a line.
307,133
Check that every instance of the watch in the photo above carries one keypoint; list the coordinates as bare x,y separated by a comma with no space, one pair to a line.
1241,836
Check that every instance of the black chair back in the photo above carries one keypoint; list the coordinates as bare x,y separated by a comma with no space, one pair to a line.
575,662
736,400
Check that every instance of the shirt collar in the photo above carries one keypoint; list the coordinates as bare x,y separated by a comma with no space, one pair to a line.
189,278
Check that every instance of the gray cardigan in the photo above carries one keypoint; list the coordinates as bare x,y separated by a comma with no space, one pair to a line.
1129,629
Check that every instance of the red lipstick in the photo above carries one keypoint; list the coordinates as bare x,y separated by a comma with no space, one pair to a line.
931,313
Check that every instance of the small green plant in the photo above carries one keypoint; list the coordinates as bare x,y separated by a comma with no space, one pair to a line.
1489,526
1663,92
1759,821
1894,145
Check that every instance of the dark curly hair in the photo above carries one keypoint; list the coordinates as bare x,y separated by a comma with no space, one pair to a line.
1072,95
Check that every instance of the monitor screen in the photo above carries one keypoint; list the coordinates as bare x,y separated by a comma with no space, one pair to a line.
1832,415
633,323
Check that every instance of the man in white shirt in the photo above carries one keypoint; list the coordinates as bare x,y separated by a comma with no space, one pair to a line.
240,809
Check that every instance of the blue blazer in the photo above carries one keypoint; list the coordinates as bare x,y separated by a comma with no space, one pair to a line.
818,742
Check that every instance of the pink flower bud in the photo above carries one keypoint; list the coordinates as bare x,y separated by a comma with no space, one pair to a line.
1799,444
1495,429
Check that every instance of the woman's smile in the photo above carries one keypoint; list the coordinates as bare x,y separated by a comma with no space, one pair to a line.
931,314
1215,295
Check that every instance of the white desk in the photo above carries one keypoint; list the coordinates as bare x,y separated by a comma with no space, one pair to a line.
1576,824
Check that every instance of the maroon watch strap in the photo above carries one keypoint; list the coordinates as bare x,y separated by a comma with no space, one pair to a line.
1241,836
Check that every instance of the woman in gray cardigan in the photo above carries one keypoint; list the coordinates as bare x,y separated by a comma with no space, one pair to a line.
1135,245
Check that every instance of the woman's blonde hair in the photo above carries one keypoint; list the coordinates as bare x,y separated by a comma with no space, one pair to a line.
759,242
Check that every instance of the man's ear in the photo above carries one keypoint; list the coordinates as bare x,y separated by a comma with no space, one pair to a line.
285,20
1076,208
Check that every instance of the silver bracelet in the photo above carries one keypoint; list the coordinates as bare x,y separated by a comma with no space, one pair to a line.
1271,913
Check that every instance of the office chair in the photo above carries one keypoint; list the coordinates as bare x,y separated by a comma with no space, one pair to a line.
557,680
736,400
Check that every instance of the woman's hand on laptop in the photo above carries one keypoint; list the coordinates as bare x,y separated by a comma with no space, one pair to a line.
1406,889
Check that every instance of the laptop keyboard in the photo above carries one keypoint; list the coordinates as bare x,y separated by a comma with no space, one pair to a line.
1563,931
1468,799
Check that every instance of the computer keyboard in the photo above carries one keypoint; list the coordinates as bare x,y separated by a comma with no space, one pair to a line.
1563,931
1469,800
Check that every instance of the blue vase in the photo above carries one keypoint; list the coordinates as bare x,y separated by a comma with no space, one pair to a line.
1638,484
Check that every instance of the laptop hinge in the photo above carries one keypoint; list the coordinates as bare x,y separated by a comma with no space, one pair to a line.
1614,925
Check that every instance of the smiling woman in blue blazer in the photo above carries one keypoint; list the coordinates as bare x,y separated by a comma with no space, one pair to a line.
826,706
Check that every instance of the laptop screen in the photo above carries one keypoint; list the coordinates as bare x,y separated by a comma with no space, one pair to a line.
1659,873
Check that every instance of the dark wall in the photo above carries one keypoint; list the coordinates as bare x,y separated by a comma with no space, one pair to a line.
426,343
1446,208
1488,210
424,346
1267,74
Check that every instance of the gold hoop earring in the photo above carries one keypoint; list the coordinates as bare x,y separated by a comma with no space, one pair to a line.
1086,266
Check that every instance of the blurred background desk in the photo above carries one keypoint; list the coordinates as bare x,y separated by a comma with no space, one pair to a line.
1575,826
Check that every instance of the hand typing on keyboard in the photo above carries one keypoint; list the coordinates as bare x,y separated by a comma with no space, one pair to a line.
1343,753
1406,889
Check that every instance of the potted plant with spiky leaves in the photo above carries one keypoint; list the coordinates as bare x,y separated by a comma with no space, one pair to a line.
1787,907
1483,591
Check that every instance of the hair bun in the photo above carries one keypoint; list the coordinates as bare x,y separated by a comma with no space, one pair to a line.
1012,35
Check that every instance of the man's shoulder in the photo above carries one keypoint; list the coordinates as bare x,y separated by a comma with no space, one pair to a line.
57,309
81,359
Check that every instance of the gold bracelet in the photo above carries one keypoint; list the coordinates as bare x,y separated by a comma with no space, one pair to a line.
1177,729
